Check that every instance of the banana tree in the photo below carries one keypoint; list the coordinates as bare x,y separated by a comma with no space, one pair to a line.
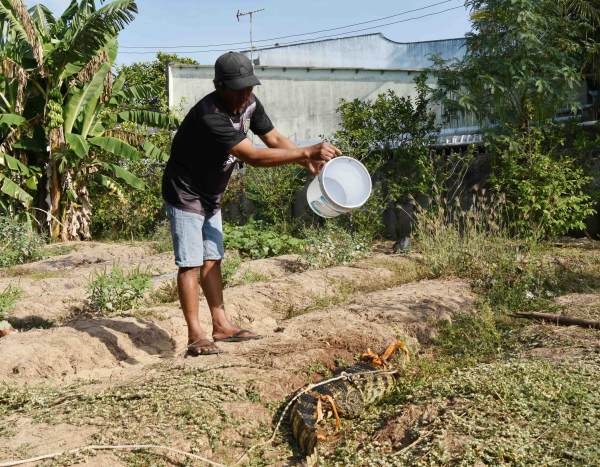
61,110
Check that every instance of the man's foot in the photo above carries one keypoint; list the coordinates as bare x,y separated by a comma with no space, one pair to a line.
236,336
202,346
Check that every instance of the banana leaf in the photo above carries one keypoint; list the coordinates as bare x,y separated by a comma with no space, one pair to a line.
81,96
78,144
115,146
151,119
155,153
123,174
13,190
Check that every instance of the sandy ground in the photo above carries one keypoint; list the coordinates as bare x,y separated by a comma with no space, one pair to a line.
110,350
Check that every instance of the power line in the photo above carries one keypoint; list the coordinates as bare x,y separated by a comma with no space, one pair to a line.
339,36
286,37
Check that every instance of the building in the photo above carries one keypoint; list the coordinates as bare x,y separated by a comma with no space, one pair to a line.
367,51
302,84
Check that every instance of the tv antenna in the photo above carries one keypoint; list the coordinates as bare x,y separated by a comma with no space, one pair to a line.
244,14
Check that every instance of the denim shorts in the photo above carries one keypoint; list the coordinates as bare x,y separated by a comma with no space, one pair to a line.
196,238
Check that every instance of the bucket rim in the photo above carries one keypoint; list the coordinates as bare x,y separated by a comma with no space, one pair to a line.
326,193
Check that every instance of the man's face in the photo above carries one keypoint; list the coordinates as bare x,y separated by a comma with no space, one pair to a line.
236,99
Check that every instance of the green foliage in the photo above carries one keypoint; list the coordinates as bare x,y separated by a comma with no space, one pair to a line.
546,189
136,212
7,300
19,243
162,236
257,240
115,290
521,55
391,137
229,266
333,245
151,73
273,190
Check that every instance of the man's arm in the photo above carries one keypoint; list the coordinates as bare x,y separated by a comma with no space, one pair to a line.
282,151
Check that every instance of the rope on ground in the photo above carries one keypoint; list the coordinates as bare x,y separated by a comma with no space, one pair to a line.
98,448
310,387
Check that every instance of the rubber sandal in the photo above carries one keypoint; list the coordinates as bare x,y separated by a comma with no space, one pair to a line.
210,349
236,338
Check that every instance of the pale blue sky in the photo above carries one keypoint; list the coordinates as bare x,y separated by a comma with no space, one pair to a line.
163,23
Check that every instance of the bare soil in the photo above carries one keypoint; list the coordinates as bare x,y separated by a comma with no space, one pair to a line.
305,316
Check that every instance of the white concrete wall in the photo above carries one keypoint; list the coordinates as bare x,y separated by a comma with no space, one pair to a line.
366,51
301,102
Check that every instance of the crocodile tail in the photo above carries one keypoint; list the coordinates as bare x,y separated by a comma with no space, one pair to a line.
303,421
312,459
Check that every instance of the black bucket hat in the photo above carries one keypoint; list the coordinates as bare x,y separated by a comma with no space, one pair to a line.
235,71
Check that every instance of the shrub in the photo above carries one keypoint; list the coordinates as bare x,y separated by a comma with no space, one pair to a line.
333,245
19,244
115,290
257,240
273,190
545,188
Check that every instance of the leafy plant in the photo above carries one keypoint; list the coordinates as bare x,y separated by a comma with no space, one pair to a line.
391,136
333,245
257,240
520,55
19,243
273,191
62,112
115,290
546,189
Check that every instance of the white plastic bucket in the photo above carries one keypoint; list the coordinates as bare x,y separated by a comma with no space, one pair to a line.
344,184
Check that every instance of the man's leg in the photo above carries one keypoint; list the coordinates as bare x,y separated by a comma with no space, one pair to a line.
189,291
212,286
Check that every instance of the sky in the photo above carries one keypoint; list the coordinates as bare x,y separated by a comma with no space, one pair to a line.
160,24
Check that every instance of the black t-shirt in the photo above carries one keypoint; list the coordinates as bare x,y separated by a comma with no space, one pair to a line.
200,165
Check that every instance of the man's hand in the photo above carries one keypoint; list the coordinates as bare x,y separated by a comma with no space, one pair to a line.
314,167
318,155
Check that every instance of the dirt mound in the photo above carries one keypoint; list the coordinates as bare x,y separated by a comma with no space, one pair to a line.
85,348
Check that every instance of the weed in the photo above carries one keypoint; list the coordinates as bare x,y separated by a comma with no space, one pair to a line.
170,405
19,243
249,276
229,266
342,363
115,290
163,241
59,249
341,293
332,245
316,368
7,300
167,293
259,240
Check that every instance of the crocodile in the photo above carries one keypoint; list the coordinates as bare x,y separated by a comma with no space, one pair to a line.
347,393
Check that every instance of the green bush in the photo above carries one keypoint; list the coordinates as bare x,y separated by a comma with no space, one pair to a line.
273,190
19,244
545,188
115,290
332,245
257,240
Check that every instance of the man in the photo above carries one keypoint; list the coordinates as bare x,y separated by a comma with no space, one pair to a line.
209,141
